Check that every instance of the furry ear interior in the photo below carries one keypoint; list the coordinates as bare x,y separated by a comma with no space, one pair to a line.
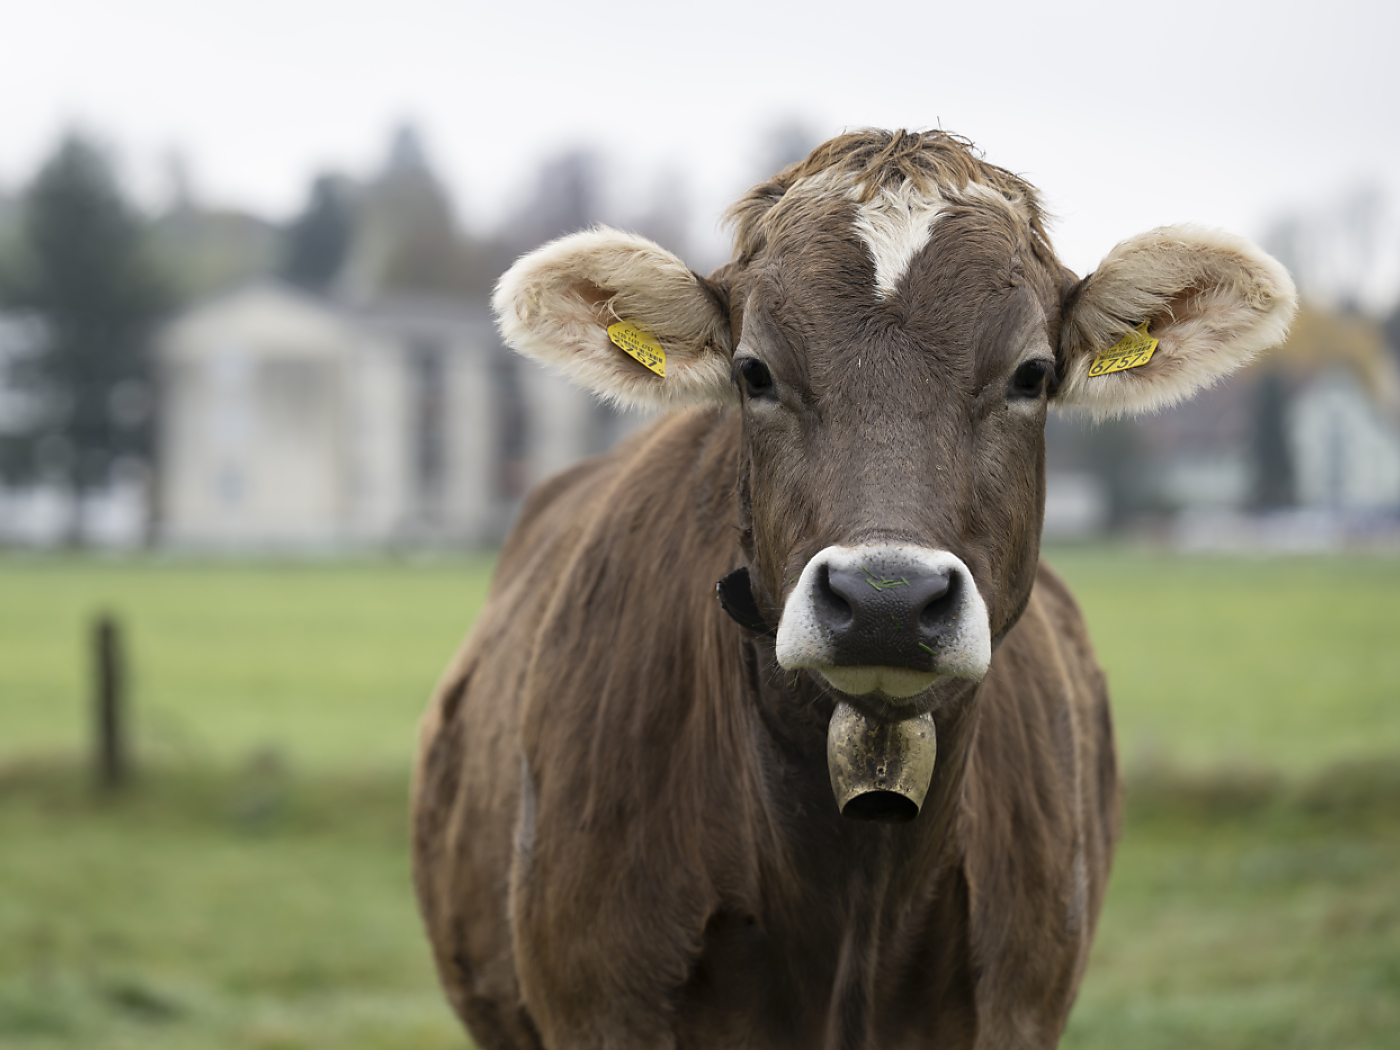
1211,299
556,303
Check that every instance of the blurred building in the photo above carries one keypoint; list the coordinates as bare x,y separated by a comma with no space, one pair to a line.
1300,450
1346,446
345,385
291,420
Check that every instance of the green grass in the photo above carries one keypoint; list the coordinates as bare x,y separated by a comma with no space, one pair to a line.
258,909
253,890
1285,664
331,664
224,910
1251,914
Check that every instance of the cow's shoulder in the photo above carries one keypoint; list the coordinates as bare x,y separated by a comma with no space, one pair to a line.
1046,670
1061,611
682,459
1042,788
635,550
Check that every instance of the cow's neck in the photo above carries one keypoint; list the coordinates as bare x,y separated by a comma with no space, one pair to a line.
846,908
794,713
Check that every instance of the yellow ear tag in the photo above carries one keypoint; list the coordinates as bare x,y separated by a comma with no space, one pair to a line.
640,344
1132,351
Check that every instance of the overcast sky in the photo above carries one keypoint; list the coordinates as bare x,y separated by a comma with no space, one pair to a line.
1127,116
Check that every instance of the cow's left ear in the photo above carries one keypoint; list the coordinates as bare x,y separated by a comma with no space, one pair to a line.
557,304
1210,299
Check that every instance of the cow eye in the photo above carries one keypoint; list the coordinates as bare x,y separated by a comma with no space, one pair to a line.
758,381
1029,380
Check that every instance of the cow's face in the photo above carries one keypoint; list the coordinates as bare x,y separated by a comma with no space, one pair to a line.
895,326
894,355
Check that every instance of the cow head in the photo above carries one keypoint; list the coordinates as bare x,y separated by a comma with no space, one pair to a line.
894,327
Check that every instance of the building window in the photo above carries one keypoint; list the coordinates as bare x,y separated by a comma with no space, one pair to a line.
428,381
512,428
230,485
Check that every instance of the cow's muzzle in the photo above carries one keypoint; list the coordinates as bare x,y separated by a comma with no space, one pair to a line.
885,619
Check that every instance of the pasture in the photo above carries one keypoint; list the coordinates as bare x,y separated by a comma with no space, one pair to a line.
252,890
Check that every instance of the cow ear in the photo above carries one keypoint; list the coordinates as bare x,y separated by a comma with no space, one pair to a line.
556,305
1210,299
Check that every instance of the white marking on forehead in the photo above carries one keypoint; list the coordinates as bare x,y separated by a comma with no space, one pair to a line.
895,226
898,222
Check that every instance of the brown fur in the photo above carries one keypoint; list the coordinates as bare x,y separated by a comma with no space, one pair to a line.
690,882
624,832
872,160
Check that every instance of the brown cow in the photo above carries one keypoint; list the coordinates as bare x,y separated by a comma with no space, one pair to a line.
626,833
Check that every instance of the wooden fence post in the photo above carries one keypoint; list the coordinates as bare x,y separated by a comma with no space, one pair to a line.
110,706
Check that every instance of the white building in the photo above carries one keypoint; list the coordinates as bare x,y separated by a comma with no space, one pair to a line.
1346,447
293,421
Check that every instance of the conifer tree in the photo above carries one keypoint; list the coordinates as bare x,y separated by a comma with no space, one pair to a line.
84,277
318,240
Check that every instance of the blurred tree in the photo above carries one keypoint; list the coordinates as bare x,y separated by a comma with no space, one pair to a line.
568,197
666,217
1114,452
422,248
9,239
317,243
1360,220
785,143
1288,240
1118,456
204,251
84,275
1272,456
406,235
1342,250
1391,327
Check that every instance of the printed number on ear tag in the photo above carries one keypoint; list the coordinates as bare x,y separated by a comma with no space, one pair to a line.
639,344
1132,351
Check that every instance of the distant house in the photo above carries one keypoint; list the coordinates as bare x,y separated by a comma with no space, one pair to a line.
1346,447
1323,409
292,420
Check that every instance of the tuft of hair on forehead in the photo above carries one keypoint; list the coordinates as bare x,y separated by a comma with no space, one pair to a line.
870,161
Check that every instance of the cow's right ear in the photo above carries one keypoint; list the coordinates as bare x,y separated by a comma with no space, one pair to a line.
557,303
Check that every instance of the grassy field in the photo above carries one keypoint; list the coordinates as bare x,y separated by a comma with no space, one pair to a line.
252,892
329,664
232,910
1284,664
1249,913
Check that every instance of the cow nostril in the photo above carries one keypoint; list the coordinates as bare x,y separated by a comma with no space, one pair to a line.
833,607
940,602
